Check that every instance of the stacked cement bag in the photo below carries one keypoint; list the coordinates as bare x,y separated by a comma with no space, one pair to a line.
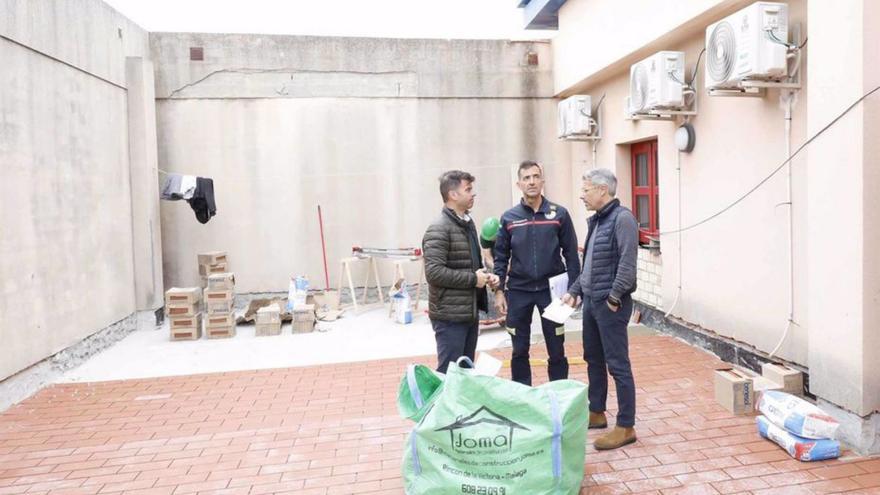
801,428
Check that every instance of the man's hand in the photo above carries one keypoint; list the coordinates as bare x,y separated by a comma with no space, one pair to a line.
500,303
571,300
613,304
494,281
482,278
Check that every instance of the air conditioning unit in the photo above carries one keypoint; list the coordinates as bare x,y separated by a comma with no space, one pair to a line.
748,45
656,83
575,117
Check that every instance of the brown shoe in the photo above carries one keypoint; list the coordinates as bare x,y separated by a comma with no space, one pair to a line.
618,437
597,420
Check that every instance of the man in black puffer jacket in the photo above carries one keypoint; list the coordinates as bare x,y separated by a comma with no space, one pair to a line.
453,269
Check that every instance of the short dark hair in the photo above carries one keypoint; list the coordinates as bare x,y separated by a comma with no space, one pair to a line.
527,164
450,181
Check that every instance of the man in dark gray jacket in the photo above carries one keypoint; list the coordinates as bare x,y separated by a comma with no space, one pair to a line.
453,268
605,284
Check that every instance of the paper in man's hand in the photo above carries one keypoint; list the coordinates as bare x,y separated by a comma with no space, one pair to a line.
558,286
558,311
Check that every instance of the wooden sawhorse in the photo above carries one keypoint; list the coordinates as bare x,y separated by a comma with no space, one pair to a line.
372,270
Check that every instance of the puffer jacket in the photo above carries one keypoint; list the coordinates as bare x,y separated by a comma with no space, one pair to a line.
452,255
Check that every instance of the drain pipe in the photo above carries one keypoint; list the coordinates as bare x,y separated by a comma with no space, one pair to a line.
595,153
678,290
788,103
790,218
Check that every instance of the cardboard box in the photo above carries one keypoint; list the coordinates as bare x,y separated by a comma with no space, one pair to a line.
182,296
303,319
219,321
734,390
269,314
789,379
176,310
219,308
212,296
221,281
186,328
305,312
186,334
267,329
206,270
305,326
212,258
220,332
186,321
760,384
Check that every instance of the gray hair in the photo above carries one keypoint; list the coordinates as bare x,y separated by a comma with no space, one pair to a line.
602,177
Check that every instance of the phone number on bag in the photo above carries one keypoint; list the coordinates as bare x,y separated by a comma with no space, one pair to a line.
483,490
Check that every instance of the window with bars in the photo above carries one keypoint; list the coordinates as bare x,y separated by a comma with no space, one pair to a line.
645,190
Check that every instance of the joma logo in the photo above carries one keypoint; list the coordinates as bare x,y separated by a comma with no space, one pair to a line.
461,442
482,430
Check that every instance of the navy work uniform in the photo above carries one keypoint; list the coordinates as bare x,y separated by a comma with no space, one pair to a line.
533,245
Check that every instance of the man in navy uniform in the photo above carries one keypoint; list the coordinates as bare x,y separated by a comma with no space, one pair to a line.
535,236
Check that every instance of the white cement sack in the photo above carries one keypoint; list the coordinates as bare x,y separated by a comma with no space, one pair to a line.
802,449
797,415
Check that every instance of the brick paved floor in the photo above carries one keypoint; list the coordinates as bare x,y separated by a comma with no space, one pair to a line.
334,430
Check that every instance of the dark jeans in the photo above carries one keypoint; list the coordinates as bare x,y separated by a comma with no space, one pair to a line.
453,341
606,350
520,305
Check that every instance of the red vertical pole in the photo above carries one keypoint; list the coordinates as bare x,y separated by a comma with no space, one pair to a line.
323,249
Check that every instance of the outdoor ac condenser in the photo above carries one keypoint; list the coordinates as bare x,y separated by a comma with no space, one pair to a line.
657,83
574,117
749,44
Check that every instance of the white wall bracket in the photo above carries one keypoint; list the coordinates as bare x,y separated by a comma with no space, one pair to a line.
689,110
661,115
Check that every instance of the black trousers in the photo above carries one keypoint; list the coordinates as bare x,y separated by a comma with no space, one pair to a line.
454,340
520,305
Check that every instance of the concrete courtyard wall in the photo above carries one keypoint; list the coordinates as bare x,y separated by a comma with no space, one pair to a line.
66,243
362,127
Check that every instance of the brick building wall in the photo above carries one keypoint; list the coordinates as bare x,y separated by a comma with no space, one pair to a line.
650,278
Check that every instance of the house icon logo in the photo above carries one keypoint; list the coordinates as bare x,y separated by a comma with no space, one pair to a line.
483,431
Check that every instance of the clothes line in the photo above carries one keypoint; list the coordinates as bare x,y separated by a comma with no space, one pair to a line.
509,166
171,173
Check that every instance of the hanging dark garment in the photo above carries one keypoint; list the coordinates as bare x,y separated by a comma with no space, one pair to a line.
202,201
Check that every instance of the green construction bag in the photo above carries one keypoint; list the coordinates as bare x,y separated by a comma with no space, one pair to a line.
484,435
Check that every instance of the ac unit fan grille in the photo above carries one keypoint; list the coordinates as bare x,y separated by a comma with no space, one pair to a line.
722,51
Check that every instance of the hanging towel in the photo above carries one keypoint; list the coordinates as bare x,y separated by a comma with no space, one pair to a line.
171,188
188,186
202,201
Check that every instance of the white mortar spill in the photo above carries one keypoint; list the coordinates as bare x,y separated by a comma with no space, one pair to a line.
365,337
